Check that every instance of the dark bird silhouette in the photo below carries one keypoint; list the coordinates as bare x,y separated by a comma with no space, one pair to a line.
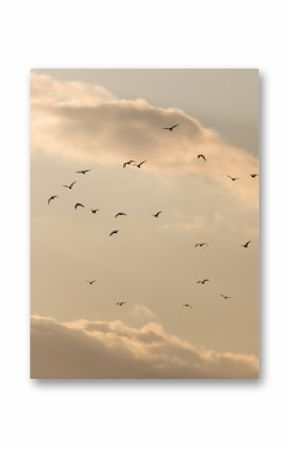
232,178
201,156
131,161
187,305
83,172
253,175
200,244
70,186
140,164
113,232
156,215
170,128
245,245
95,210
79,205
203,281
225,297
51,198
91,282
120,303
119,214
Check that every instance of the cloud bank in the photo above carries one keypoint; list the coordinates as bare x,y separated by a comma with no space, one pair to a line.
111,349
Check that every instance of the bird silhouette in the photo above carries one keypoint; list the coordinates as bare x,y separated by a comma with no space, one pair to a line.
245,245
79,205
51,198
203,281
156,215
253,175
131,161
91,282
120,303
113,232
201,156
225,297
95,210
171,128
187,305
232,178
119,214
83,172
201,244
140,164
70,186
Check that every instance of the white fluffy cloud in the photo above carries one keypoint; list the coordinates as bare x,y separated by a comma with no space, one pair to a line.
111,349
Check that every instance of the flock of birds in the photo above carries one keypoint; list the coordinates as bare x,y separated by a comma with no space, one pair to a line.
155,214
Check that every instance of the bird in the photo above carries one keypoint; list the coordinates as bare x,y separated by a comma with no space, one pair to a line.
83,172
156,215
225,297
70,186
131,161
91,282
51,198
140,164
94,210
120,303
79,205
245,245
201,156
253,175
113,232
187,305
171,128
232,178
118,214
200,244
203,281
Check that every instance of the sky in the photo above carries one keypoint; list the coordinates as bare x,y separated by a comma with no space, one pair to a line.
98,119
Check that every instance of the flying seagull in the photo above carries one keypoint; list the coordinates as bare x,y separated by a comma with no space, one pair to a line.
140,164
187,305
94,210
114,232
79,205
119,214
200,244
232,178
120,303
91,282
245,245
131,161
253,175
201,156
203,281
70,186
83,172
156,215
51,198
171,128
225,297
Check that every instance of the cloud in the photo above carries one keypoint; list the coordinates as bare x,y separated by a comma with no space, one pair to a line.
88,122
141,311
111,349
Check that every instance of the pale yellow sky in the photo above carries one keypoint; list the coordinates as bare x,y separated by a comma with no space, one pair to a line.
92,119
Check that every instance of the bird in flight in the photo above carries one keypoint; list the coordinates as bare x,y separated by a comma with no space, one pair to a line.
187,305
94,210
245,245
91,282
70,186
83,172
79,205
232,178
171,128
253,175
120,303
156,215
51,198
119,214
225,297
113,232
203,281
201,156
200,244
131,161
140,164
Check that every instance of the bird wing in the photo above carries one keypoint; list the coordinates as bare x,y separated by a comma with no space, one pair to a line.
66,186
72,184
174,126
